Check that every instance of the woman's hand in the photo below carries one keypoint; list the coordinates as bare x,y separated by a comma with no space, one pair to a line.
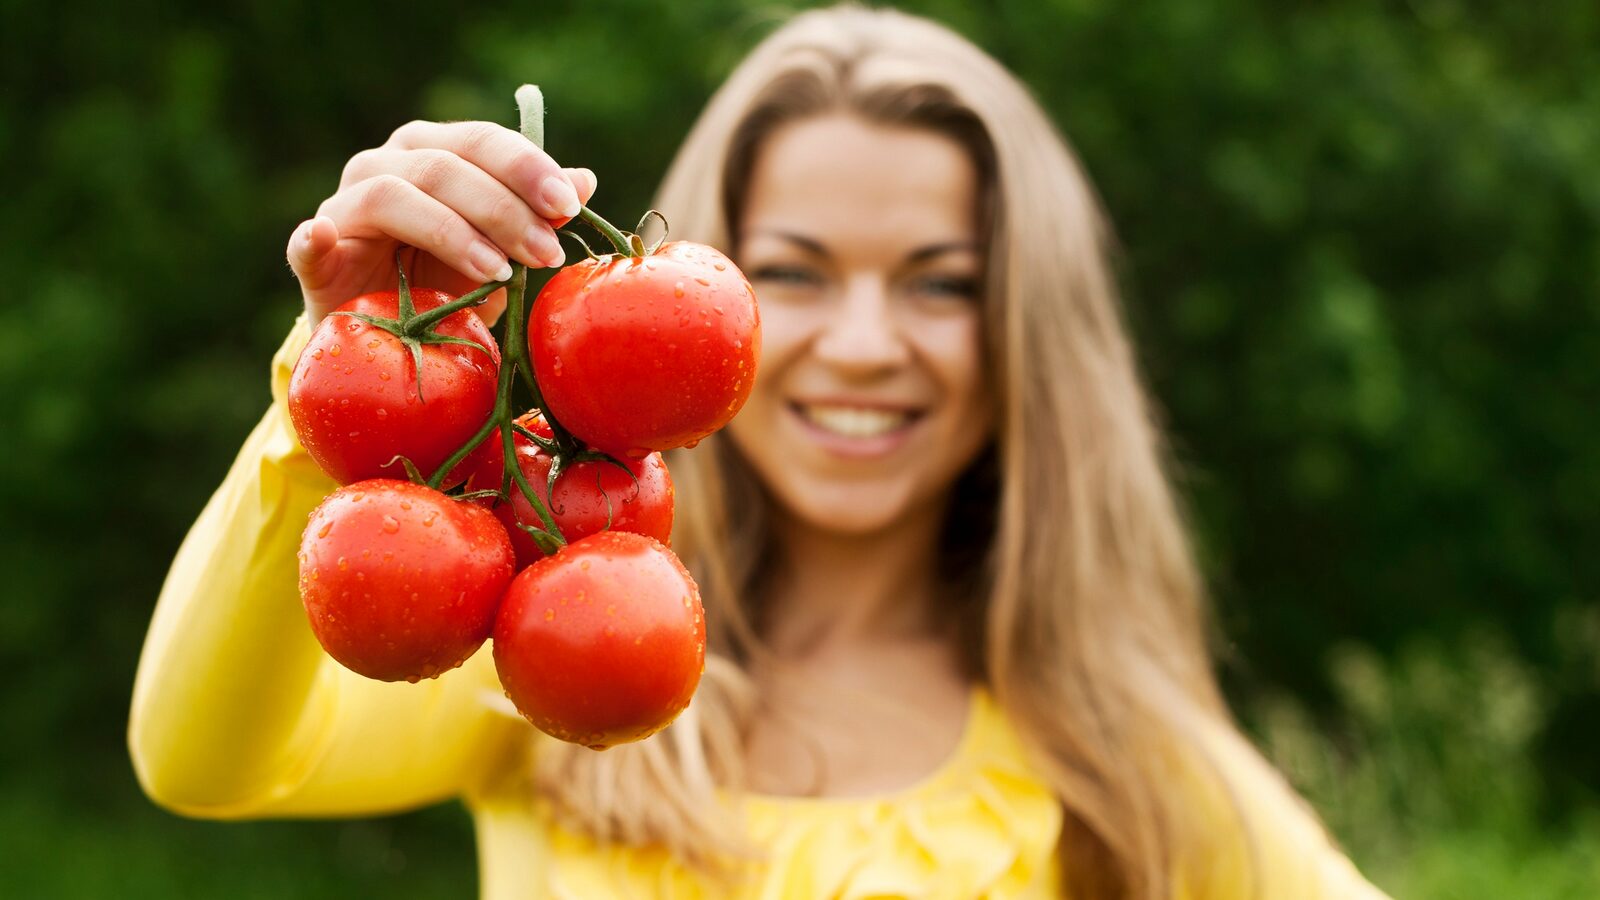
466,195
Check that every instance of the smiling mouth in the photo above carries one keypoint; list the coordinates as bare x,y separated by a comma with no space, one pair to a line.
856,421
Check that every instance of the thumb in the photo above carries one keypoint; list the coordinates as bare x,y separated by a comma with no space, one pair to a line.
315,258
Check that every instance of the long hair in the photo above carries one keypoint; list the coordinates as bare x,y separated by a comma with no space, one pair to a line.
1085,606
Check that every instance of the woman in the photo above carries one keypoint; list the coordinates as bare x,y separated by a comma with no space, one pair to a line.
957,632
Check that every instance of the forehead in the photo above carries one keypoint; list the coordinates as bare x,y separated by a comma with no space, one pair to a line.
862,188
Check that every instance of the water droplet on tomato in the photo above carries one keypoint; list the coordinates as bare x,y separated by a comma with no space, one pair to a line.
343,564
703,282
323,531
372,344
334,350
427,521
691,445
383,413
317,353
738,345
383,376
405,504
719,267
549,614
390,525
677,290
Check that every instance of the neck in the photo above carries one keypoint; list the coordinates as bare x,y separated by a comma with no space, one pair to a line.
836,589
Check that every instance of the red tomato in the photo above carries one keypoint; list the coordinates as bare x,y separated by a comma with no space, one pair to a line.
640,502
646,353
400,581
602,643
353,396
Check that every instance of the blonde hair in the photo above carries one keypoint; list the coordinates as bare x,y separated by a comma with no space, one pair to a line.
1085,602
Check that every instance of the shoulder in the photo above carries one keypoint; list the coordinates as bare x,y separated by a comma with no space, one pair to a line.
1262,838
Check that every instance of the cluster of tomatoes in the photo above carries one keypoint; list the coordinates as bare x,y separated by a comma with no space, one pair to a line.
463,516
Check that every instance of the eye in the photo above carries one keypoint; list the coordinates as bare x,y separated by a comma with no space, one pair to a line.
786,274
959,287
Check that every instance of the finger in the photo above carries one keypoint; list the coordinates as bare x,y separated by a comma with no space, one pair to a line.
483,201
585,182
390,206
315,259
506,155
312,251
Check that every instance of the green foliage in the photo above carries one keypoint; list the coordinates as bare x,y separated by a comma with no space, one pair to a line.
1430,781
1361,249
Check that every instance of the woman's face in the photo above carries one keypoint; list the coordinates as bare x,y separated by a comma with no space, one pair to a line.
871,397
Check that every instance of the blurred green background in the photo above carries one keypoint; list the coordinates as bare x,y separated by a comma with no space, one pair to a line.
1361,243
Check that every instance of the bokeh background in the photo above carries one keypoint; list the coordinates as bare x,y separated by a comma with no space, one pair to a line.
1361,243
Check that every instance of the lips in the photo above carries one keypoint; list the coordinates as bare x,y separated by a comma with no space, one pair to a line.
854,421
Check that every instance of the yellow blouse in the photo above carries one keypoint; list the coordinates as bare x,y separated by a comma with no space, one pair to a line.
237,713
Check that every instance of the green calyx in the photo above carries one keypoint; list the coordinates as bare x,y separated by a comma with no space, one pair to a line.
628,244
414,330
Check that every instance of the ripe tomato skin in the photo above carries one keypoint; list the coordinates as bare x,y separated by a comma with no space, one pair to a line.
640,503
646,353
399,581
353,395
602,643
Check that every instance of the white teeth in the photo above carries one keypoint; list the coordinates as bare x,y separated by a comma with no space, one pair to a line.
855,421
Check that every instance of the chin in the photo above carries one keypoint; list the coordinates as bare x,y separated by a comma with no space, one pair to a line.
846,508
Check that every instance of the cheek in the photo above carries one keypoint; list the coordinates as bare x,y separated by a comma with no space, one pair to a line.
953,350
783,335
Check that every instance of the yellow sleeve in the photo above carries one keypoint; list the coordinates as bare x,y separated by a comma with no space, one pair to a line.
1265,841
238,713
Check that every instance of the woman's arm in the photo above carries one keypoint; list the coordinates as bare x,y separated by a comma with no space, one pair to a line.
237,711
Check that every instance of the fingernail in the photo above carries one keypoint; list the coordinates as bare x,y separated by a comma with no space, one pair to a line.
558,195
488,261
547,247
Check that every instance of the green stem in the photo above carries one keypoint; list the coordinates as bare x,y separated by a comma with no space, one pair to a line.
417,324
443,472
515,358
516,340
612,233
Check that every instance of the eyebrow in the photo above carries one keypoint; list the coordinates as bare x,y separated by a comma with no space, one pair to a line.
921,254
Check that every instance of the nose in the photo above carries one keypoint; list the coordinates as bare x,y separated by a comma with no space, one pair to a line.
861,337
